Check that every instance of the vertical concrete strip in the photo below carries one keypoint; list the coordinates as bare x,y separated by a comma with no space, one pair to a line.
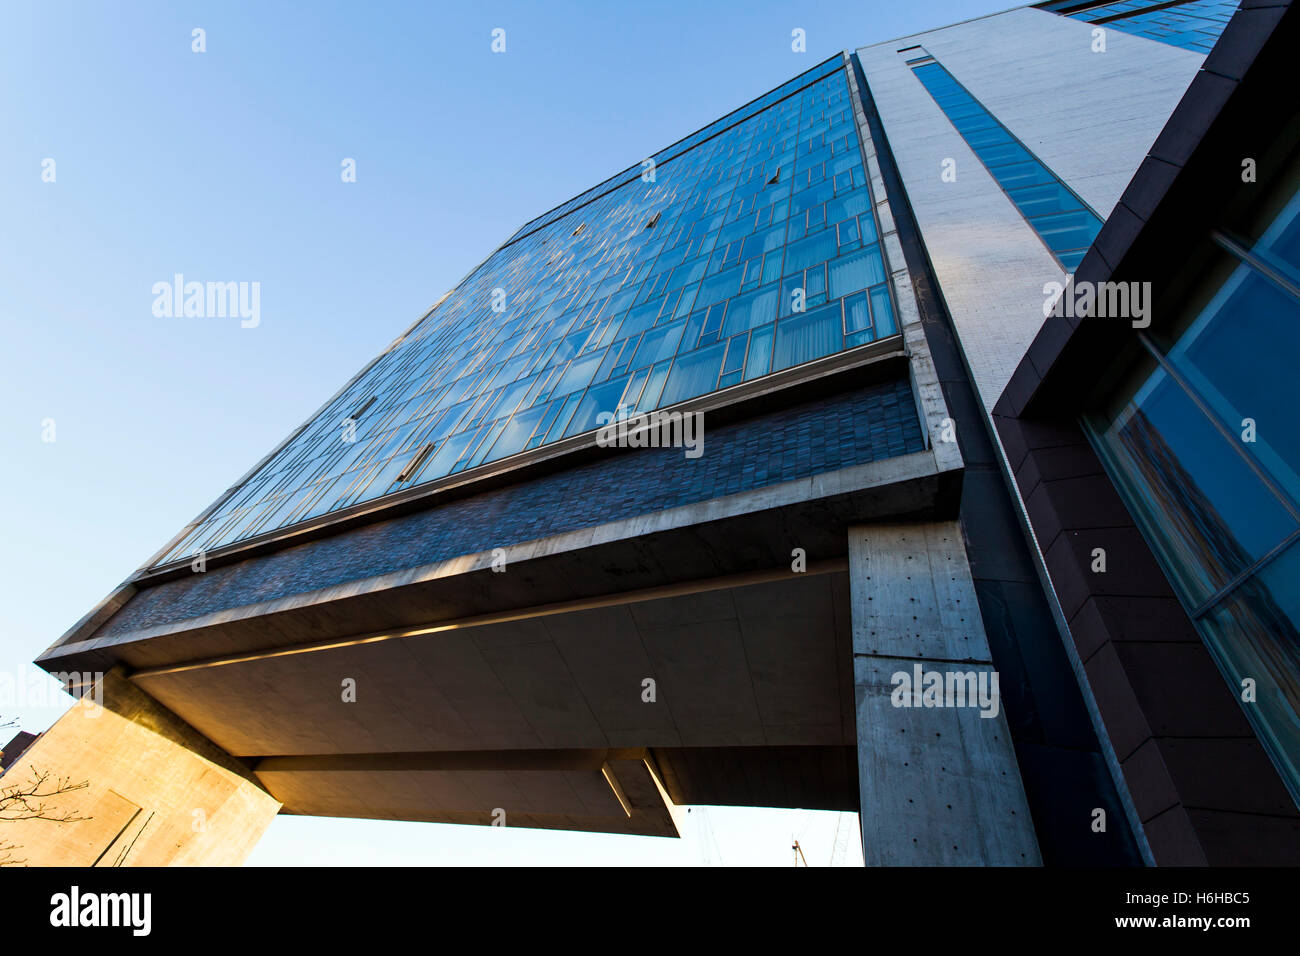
939,780
924,377
157,793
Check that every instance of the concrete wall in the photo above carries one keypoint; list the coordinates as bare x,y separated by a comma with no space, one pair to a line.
1091,117
940,784
156,792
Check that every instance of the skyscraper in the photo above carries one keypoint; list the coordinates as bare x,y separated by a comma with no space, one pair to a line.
703,488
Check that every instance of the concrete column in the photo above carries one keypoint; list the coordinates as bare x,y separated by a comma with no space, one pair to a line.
939,780
157,792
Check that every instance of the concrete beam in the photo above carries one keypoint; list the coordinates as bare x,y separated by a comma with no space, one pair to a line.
602,791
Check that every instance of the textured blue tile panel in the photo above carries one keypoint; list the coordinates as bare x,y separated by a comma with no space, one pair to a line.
826,435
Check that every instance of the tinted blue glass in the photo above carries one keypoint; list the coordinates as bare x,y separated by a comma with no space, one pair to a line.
809,251
627,294
759,361
1194,25
606,398
1015,177
882,311
1203,509
1255,633
660,344
1002,154
735,360
857,314
749,311
1064,223
1074,229
1071,260
1043,200
855,271
1279,246
694,374
808,335
1221,357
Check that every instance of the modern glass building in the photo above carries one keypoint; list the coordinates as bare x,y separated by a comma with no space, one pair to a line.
908,470
747,248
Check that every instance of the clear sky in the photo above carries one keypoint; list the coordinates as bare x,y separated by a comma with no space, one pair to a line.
225,166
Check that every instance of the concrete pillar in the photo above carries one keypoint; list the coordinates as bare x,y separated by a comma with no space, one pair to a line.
157,793
939,782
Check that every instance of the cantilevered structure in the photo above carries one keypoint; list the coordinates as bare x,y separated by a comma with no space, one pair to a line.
446,598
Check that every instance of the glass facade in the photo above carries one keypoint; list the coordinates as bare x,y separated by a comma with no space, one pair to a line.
1066,226
1203,443
1192,24
747,248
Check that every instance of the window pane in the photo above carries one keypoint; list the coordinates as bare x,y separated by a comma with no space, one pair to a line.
601,398
810,251
760,352
516,433
750,311
693,374
856,271
1204,511
658,345
1221,356
807,336
882,312
857,315
1280,243
1255,633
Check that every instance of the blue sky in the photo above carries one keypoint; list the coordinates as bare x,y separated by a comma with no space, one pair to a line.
225,166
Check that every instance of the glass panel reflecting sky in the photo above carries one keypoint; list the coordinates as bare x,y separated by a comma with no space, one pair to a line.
1201,442
1060,218
1192,25
752,248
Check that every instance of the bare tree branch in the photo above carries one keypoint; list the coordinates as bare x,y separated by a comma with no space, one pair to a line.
27,801
7,857
30,800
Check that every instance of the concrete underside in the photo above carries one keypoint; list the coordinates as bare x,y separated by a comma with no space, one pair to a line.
760,664
547,717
